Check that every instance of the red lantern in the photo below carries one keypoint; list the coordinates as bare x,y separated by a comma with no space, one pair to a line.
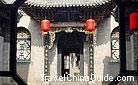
90,25
133,22
45,25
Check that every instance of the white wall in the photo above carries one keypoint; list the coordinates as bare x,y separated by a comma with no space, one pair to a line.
102,55
32,73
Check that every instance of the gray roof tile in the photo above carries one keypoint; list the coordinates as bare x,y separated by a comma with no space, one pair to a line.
65,3
61,3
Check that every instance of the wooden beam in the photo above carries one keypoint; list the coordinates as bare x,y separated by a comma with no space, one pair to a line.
68,24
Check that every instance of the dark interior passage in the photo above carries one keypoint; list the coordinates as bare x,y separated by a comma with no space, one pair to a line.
70,46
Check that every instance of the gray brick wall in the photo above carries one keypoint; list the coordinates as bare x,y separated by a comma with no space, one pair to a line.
4,50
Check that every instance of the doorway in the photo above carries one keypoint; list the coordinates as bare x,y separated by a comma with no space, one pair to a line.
70,62
70,48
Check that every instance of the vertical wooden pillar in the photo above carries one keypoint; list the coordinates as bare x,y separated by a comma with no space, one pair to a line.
46,48
91,55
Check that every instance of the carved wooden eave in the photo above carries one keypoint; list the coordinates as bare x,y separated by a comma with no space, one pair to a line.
96,9
53,31
97,12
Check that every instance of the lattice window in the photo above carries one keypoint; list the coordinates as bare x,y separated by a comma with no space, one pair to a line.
23,45
115,44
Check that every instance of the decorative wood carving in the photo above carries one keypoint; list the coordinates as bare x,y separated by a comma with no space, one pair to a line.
51,39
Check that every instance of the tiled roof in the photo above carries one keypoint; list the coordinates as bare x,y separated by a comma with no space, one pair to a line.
65,3
61,3
1,1
8,1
